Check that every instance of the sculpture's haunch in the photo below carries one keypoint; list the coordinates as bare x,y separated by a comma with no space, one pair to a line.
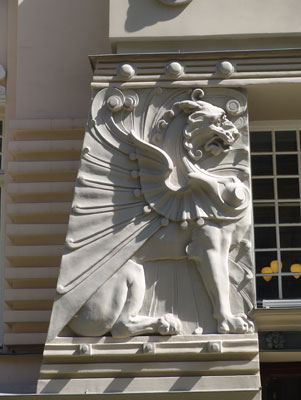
115,306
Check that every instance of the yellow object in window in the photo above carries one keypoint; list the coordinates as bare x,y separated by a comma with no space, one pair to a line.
274,265
272,269
267,270
296,268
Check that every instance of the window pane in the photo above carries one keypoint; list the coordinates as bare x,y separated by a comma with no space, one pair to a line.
291,287
286,141
261,141
287,164
264,259
267,290
264,214
262,165
289,213
265,238
290,236
263,189
289,258
288,188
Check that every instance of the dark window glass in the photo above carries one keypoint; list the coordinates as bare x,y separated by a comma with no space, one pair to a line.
264,214
287,164
264,259
265,237
290,258
263,189
288,188
262,165
283,384
286,141
291,287
290,236
261,141
267,290
289,213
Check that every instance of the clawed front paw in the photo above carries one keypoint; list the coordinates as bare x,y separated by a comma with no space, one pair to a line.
236,324
169,325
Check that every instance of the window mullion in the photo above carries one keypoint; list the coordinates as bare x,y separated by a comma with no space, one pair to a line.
280,291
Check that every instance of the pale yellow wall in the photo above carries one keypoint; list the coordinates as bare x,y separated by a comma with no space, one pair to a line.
150,20
3,32
55,38
19,373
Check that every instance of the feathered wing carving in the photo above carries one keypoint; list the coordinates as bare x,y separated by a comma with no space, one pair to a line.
108,222
125,186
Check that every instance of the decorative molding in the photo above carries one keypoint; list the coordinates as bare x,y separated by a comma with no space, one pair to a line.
2,95
175,2
215,364
2,72
231,69
278,320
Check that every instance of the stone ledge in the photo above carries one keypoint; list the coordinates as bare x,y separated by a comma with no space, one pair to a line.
278,319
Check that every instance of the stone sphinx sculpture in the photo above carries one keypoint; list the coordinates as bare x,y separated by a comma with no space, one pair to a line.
159,234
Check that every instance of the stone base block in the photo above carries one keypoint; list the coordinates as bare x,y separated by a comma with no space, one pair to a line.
223,365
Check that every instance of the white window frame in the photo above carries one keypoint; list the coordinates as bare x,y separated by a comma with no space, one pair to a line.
278,126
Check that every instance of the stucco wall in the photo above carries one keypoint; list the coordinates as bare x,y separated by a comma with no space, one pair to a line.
203,18
3,31
54,40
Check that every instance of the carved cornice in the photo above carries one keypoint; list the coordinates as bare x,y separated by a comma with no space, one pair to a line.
278,319
2,88
2,95
175,2
227,68
2,72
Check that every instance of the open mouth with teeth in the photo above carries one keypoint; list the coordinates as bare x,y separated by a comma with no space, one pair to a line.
222,140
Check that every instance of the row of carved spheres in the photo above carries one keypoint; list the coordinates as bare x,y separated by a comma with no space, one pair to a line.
176,69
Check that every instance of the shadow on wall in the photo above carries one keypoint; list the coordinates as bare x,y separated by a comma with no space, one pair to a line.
148,12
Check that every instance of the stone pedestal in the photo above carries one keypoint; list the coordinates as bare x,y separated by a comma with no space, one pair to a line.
212,366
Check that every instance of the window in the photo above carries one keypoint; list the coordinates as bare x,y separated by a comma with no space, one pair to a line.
276,185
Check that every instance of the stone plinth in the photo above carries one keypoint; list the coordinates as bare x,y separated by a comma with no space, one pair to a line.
226,365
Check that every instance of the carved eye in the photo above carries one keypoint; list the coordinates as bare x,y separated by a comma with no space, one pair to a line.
219,122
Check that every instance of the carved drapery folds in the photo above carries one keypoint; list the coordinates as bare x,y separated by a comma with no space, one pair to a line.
159,233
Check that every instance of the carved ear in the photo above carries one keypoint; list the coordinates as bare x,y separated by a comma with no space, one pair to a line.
189,106
196,117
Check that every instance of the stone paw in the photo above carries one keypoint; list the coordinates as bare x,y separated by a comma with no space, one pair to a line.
235,324
169,325
198,331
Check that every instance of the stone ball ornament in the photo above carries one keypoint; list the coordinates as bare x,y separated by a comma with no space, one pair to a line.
174,69
126,71
225,68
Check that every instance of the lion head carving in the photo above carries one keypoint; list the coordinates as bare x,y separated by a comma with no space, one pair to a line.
207,128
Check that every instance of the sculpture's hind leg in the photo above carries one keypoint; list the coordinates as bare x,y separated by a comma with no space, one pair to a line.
129,322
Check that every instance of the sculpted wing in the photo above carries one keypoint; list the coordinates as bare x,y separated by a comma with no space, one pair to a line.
110,219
